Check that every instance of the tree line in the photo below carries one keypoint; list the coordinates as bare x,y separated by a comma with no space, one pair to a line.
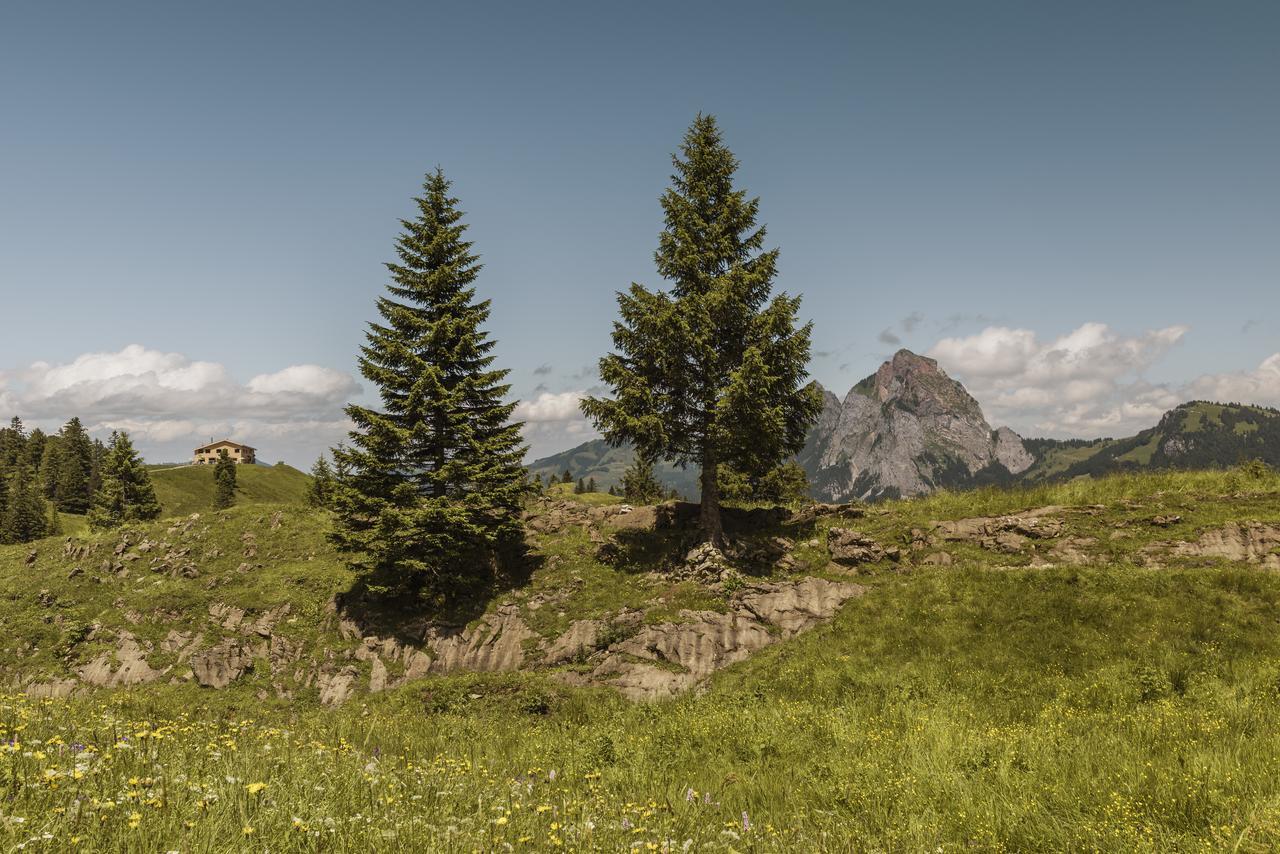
709,371
43,475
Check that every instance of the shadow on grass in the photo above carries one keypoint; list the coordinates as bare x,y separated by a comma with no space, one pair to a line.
385,604
751,533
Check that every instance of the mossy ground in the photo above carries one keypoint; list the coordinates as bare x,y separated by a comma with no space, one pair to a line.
986,706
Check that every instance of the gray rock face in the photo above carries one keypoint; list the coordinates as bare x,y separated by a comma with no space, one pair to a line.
669,658
905,430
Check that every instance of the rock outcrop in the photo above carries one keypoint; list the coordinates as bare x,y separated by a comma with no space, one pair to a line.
672,657
906,430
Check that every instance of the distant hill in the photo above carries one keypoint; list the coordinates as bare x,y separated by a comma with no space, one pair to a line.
1195,435
596,459
183,490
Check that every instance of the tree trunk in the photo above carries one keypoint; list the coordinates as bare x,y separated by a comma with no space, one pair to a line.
709,509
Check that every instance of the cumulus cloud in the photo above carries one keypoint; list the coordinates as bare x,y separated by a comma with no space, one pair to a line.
553,422
1085,383
1261,385
168,400
548,406
886,336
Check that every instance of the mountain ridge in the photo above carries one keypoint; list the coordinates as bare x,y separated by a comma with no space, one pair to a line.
909,429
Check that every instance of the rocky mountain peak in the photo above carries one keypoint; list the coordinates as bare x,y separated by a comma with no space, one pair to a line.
916,383
906,430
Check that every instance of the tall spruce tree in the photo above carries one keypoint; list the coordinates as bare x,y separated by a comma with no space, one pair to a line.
430,489
26,515
712,370
74,481
126,494
224,481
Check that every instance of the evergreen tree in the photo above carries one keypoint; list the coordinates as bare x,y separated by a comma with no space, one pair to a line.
710,372
33,453
580,487
591,484
567,477
224,480
50,465
433,484
54,526
13,441
321,488
26,516
613,490
126,494
98,456
639,486
74,481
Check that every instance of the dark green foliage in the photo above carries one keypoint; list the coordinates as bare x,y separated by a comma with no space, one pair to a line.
126,494
224,480
50,463
567,477
431,488
76,457
639,486
591,484
711,371
320,491
579,487
26,515
783,484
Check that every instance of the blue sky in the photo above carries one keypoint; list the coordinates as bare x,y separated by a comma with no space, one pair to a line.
1075,207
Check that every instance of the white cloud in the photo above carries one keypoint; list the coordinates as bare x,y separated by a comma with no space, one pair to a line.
554,423
549,406
167,401
1261,385
1085,383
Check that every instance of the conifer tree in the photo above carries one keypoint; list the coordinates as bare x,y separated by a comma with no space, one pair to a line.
591,484
224,481
579,487
567,477
74,485
710,371
13,440
97,455
33,453
639,485
126,494
26,516
321,488
433,483
50,464
54,526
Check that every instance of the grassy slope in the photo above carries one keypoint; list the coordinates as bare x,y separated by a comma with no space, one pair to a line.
183,490
987,706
